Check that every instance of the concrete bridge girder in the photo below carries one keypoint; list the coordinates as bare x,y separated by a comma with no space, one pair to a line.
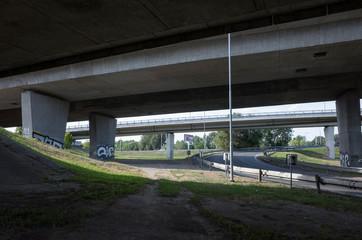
199,64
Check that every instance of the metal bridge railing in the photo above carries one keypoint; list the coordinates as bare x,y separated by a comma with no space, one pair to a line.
209,118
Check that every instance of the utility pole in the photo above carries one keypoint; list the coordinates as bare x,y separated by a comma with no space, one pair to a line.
204,133
231,116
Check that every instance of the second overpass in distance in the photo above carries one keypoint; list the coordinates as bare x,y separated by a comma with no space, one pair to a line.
316,118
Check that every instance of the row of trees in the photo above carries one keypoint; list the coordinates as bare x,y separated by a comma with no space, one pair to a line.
319,140
214,140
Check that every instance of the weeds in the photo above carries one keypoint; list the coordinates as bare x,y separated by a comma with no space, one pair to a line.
169,188
235,230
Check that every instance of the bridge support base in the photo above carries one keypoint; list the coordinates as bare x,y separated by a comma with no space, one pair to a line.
102,133
329,135
349,128
170,145
44,118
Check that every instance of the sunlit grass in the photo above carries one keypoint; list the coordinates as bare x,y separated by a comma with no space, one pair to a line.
153,155
105,180
303,157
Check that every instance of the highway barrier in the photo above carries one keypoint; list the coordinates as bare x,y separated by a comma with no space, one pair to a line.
284,175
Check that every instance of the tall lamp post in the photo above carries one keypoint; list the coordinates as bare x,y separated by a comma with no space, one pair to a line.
231,116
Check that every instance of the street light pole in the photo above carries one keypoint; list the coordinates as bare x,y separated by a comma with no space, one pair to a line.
204,133
231,116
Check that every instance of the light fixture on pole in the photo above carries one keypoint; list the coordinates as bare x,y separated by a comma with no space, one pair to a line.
204,133
231,116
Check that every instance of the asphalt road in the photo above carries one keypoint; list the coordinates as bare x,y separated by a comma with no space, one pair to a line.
249,160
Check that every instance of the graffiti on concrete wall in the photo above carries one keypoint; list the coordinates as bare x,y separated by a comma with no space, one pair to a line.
26,131
48,140
328,152
105,152
344,159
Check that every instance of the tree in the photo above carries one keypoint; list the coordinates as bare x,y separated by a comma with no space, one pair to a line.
319,140
117,146
152,142
86,145
180,145
130,145
210,140
297,141
336,138
241,139
68,140
222,140
276,137
19,130
198,143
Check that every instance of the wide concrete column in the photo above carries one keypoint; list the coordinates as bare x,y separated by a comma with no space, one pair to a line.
349,128
44,118
170,145
102,133
329,135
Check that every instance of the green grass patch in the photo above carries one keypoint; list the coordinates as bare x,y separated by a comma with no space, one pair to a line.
305,156
236,230
153,155
318,152
100,180
77,152
239,191
168,188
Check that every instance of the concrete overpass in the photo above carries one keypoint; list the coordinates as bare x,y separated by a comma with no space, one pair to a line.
97,61
291,119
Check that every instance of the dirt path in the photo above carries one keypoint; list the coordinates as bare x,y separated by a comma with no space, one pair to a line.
145,215
156,169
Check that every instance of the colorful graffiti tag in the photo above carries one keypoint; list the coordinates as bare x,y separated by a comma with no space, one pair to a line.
48,140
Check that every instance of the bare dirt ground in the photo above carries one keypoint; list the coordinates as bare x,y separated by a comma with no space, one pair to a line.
156,169
147,215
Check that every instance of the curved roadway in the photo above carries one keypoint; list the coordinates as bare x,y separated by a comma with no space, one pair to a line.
249,160
246,159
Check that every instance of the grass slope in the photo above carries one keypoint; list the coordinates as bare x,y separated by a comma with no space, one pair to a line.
315,155
153,155
107,181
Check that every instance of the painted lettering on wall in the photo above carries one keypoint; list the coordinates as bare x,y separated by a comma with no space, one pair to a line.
328,152
48,140
26,131
105,152
344,159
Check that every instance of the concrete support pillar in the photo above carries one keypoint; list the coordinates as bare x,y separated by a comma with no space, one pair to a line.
349,128
329,135
44,118
170,145
102,133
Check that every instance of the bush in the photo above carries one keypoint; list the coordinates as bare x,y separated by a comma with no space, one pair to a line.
68,140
